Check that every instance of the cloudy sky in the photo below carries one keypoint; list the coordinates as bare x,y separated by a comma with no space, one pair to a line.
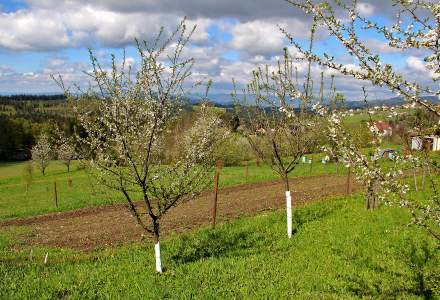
43,37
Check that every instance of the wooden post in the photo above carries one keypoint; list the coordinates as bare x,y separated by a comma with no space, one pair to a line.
69,181
257,161
55,193
349,181
415,179
214,203
246,172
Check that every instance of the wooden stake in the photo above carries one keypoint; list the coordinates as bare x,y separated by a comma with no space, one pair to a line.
415,180
246,172
55,193
214,203
349,181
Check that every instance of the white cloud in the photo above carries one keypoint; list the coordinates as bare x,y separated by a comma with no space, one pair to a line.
263,37
257,37
28,30
48,25
365,9
416,64
86,25
381,47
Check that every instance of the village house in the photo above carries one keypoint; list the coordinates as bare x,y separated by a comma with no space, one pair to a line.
428,142
384,128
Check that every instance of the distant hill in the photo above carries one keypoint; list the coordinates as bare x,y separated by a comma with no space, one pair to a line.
218,99
395,101
225,100
32,97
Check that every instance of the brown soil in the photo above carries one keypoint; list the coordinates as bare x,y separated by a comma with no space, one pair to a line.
97,227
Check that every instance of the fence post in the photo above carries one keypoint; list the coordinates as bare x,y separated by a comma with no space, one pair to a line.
349,181
55,193
246,172
216,179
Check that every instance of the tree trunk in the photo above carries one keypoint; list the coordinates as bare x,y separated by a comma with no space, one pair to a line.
157,246
288,207
371,201
68,168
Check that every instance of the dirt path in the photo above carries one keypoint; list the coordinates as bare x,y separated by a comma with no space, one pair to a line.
97,227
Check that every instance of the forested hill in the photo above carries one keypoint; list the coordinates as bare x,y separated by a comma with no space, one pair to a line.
28,97
24,117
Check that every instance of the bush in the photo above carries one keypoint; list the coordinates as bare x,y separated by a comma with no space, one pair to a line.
234,150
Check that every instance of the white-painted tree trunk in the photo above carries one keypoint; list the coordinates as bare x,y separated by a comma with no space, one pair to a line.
289,213
157,255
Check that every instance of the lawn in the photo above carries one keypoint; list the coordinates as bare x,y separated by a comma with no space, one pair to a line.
363,116
339,251
15,201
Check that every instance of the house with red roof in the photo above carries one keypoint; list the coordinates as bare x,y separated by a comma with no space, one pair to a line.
384,128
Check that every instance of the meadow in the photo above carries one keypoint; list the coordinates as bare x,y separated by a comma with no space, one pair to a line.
83,191
339,250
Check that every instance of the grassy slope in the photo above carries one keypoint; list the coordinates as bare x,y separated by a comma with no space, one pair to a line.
15,202
339,250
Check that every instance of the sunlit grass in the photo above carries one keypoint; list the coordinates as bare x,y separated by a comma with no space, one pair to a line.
339,251
16,200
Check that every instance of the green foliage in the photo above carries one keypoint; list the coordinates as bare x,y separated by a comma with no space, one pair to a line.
339,251
234,150
18,135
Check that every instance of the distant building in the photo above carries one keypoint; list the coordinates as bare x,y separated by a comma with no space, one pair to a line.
384,128
388,153
429,142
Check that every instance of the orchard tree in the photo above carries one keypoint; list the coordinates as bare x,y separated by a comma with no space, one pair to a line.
132,116
66,153
278,126
65,147
416,28
42,152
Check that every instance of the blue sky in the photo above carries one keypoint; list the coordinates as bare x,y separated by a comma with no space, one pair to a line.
43,37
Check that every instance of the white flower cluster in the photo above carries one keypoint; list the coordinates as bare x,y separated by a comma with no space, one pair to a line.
134,138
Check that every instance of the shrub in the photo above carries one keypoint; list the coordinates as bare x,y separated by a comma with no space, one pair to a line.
234,150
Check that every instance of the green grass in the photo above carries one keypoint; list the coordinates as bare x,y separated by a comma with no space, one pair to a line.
39,198
363,116
338,251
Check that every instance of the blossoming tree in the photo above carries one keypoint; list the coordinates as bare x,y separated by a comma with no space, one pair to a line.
278,126
42,152
130,122
65,149
416,27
